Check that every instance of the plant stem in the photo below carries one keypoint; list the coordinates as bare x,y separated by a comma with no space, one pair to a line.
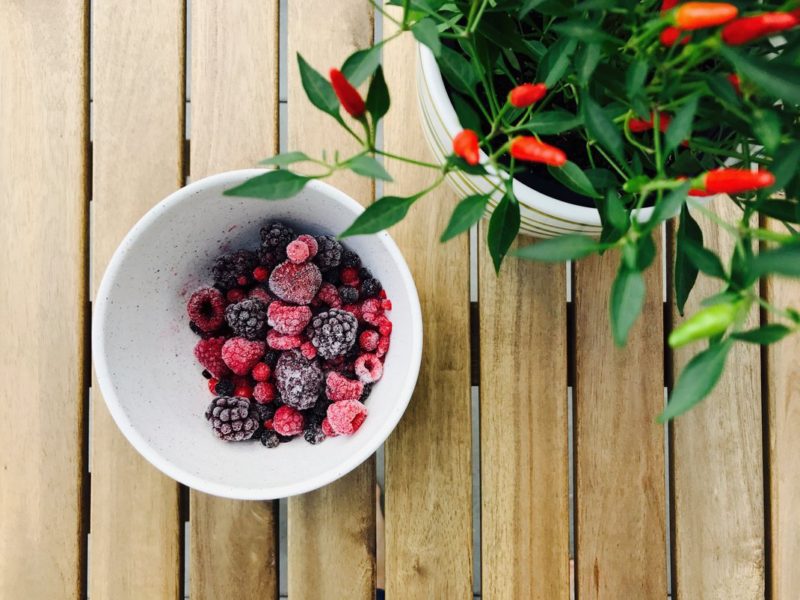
411,161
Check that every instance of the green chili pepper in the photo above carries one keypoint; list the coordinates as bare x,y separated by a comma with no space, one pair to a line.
706,323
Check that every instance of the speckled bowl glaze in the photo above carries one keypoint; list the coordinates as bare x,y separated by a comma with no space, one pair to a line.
143,346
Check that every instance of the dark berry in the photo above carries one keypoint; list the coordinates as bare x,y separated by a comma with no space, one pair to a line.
231,419
228,268
333,332
224,387
197,331
370,287
313,433
367,390
271,357
269,258
350,259
348,294
275,236
299,381
263,412
364,273
248,318
331,276
270,439
329,254
206,374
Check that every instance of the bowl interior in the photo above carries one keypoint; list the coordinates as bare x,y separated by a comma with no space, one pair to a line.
143,345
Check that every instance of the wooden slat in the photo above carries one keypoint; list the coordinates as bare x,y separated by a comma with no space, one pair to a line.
620,488
524,436
783,394
718,463
138,137
43,169
428,466
234,91
331,546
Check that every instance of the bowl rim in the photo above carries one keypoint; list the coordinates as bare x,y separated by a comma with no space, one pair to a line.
136,438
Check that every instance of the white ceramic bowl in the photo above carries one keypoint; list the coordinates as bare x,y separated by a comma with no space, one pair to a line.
143,346
541,215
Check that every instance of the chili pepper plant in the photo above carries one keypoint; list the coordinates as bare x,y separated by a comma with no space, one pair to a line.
625,104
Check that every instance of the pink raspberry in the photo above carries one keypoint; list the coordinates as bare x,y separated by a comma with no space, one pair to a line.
308,350
339,388
293,283
326,428
369,368
287,421
297,252
288,319
372,305
346,417
311,242
349,276
209,354
354,309
260,293
264,392
328,294
241,355
261,372
383,346
386,304
276,341
206,309
384,325
368,340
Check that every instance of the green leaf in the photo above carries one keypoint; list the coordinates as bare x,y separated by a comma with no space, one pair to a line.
776,79
723,90
377,101
381,214
669,205
702,258
467,116
627,300
318,89
635,78
767,127
602,180
685,273
782,210
285,158
566,247
272,185
426,32
556,61
503,228
457,71
586,62
528,6
785,166
462,165
571,175
361,64
721,298
368,167
784,260
681,126
614,211
553,121
767,334
602,128
465,215
697,380
581,29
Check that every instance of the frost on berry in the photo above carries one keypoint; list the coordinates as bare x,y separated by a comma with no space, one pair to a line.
345,417
299,380
369,368
297,284
288,319
338,387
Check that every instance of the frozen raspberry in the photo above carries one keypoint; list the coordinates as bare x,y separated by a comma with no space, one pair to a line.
307,349
293,283
264,392
373,305
288,319
370,287
386,304
260,273
328,294
275,236
333,332
348,294
231,419
209,354
247,318
310,242
349,276
228,268
350,259
313,433
241,354
234,295
287,421
297,252
353,309
368,340
259,293
326,428
339,388
346,417
299,380
206,309
383,346
329,252
382,294
276,341
261,372
384,326
243,390
225,387
369,368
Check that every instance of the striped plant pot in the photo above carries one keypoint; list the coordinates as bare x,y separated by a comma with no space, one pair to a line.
541,215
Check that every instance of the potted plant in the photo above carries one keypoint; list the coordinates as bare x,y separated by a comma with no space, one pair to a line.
592,124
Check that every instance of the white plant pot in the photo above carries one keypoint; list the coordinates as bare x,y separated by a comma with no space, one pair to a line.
541,215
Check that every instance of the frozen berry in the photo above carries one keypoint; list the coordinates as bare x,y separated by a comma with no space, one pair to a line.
348,294
287,421
372,305
329,252
276,341
206,309
365,394
353,309
243,390
350,259
225,387
231,419
293,283
384,326
297,252
288,319
347,416
259,293
311,242
386,304
326,428
333,332
338,387
369,368
368,340
275,236
260,273
328,294
248,318
212,385
209,355
264,392
228,268
307,349
269,258
199,332
234,295
313,433
264,412
241,354
261,372
270,439
383,346
349,276
299,380
271,357
331,276
370,287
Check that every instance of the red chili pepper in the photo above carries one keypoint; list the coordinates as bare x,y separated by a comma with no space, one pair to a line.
532,150
526,94
348,95
747,29
668,5
640,125
698,15
672,35
735,82
734,181
465,145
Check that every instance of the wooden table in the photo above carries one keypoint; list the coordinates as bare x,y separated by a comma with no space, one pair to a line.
707,508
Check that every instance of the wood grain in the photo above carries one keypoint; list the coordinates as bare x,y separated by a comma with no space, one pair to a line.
234,92
718,485
43,169
524,429
138,139
428,462
783,396
331,545
620,487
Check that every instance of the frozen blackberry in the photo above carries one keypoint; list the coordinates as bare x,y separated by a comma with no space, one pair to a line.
364,273
229,268
313,433
248,318
232,419
224,387
367,390
331,276
298,380
269,258
264,411
348,294
370,287
271,357
270,439
350,259
275,236
333,332
329,254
